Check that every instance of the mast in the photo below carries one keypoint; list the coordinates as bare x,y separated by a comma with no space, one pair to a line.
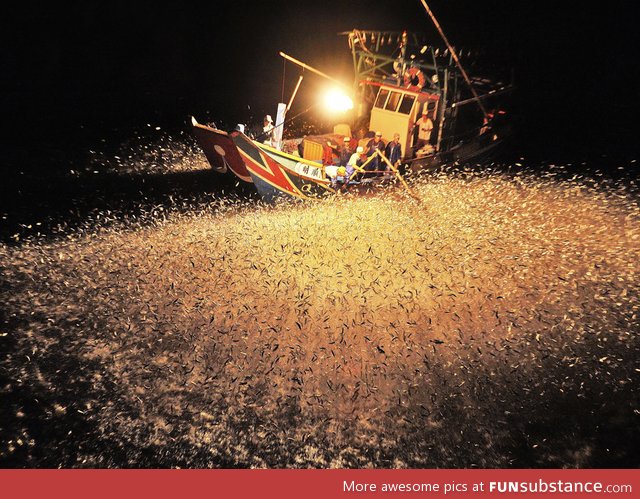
455,58
403,53
442,108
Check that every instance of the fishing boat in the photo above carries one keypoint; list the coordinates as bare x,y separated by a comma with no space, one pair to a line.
399,81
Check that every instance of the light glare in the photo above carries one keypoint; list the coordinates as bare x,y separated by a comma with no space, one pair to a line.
337,101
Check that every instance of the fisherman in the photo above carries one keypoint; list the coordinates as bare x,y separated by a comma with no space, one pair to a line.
268,131
375,144
356,159
345,151
393,151
301,147
425,126
341,179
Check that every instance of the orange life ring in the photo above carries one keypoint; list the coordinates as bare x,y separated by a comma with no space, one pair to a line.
412,76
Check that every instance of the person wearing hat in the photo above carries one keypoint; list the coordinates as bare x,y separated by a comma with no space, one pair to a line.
345,151
268,131
341,179
425,126
393,151
374,144
356,159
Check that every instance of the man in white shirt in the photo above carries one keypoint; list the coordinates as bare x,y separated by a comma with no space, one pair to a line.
425,126
423,144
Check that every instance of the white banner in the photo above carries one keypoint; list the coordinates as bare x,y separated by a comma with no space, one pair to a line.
277,133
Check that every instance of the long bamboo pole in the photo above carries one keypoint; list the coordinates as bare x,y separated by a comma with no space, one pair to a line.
314,70
455,58
293,95
361,167
397,174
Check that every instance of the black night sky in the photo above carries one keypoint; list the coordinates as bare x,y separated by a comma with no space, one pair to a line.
159,314
81,69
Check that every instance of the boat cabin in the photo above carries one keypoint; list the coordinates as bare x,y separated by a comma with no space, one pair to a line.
397,109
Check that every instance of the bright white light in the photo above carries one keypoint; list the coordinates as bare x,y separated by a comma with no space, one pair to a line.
335,100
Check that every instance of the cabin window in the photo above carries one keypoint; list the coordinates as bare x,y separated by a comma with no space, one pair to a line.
392,103
407,104
382,98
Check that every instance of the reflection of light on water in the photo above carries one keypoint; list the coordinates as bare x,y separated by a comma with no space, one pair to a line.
329,333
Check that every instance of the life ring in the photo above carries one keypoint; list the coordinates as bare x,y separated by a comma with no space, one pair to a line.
414,79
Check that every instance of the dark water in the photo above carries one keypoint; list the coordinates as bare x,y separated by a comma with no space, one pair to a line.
129,168
96,103
503,335
71,166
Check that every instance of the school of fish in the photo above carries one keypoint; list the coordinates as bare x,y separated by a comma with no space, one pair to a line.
491,322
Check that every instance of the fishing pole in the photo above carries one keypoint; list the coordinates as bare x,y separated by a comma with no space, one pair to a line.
264,134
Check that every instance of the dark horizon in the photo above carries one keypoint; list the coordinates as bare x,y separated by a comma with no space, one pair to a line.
92,68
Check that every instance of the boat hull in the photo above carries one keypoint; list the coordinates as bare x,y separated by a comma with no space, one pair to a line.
277,175
481,148
220,151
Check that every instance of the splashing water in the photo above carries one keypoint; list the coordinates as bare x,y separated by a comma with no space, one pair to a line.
493,324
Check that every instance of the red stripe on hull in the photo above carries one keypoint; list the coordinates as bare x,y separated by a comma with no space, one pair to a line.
265,168
221,152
